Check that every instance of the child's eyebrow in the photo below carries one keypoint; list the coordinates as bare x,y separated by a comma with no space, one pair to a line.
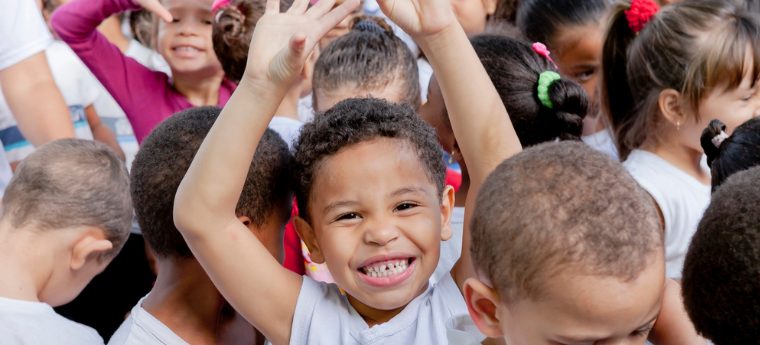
407,190
338,204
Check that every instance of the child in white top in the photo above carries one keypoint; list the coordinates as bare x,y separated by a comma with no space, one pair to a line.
66,214
370,188
661,88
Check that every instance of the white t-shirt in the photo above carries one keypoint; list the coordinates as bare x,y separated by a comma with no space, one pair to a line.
426,74
142,328
681,198
602,142
323,316
23,32
451,250
288,129
79,89
32,323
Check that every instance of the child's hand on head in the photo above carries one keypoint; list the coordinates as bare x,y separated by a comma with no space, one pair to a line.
282,42
419,18
155,7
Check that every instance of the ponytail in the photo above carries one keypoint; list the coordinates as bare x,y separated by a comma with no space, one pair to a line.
728,155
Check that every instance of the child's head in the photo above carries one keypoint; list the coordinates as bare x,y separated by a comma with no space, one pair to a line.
76,193
574,32
727,155
163,160
371,195
667,76
568,249
721,273
233,26
369,61
185,43
343,27
515,70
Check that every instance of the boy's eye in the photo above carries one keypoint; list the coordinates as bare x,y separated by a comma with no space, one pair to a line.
643,332
347,216
405,206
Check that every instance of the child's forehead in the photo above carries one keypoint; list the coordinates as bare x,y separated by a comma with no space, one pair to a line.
195,5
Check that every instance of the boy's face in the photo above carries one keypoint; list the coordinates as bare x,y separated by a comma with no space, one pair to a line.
580,309
186,43
378,220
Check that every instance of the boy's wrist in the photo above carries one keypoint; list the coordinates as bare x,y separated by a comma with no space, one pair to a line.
430,43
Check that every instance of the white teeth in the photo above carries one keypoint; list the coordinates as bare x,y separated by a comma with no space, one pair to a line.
386,269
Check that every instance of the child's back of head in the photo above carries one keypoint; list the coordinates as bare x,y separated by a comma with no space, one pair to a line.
727,155
71,185
721,270
165,156
560,232
368,61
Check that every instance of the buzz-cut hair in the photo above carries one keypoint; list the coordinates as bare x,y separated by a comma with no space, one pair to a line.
559,206
721,273
165,157
71,183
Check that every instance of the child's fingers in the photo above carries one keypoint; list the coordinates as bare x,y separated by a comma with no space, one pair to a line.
319,10
273,6
298,7
155,7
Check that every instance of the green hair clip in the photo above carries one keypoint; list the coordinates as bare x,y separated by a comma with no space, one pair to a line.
545,80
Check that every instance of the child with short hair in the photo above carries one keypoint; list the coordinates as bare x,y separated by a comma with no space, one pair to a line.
182,37
166,315
727,155
720,273
574,32
66,214
666,75
380,241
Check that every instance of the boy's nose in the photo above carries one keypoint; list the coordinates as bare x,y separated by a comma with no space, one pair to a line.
380,234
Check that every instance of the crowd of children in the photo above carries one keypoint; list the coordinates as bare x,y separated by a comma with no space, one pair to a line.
518,172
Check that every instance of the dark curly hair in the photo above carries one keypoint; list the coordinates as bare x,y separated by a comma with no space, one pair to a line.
556,206
164,158
738,152
232,30
721,271
358,120
370,57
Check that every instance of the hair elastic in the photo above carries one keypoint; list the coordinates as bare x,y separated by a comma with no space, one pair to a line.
218,4
719,139
541,49
640,13
545,81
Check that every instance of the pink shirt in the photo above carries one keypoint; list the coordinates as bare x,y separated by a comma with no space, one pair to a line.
147,97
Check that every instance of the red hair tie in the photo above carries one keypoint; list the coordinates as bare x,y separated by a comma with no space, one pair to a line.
640,13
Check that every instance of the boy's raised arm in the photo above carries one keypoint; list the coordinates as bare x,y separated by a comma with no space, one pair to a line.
204,211
478,116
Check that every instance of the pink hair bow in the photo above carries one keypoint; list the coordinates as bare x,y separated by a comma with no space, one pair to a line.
541,49
218,4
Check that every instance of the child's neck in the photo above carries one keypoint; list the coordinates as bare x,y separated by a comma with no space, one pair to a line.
199,90
23,273
684,158
186,301
371,315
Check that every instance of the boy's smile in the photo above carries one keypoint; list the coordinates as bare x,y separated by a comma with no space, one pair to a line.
377,221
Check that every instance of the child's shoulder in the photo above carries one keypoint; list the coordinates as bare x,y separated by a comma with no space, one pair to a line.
37,323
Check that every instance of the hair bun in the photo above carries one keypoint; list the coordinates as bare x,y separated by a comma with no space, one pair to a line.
712,138
371,24
570,108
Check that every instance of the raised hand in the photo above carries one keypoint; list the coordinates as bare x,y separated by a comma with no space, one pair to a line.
419,18
282,42
155,7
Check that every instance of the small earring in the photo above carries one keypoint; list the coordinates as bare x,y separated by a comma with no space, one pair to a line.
451,157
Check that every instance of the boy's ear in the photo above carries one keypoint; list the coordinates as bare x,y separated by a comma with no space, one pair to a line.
671,106
88,246
306,232
490,6
482,303
447,209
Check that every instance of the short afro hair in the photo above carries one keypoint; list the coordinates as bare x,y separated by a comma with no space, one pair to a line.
721,273
164,158
69,183
560,205
358,120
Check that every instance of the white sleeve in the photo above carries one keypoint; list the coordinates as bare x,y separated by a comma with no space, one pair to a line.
23,32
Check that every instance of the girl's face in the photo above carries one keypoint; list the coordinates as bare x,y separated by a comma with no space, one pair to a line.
378,222
186,43
578,54
473,14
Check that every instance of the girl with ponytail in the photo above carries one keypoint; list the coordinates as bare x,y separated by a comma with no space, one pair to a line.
666,74
727,155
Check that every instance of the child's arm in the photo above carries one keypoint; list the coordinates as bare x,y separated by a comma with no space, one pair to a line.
673,325
263,291
478,116
101,132
136,88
